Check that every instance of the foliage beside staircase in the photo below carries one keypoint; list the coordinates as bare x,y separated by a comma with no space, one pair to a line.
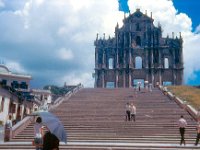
187,93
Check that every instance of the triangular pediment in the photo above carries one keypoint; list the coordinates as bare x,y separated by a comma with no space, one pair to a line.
137,15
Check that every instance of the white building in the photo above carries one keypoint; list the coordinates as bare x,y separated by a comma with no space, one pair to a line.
10,104
43,96
18,81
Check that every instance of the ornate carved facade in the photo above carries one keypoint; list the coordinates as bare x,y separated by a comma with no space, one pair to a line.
138,52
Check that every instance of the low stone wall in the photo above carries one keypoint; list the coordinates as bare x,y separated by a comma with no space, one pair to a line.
21,125
59,100
180,102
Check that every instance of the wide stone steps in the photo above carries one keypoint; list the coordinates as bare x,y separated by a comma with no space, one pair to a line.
94,117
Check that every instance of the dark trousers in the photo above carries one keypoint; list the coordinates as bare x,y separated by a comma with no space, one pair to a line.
133,117
182,132
128,115
197,139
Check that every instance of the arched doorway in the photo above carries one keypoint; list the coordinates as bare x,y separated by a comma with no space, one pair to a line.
110,85
110,63
166,63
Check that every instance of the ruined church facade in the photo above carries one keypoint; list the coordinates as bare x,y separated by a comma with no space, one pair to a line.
138,52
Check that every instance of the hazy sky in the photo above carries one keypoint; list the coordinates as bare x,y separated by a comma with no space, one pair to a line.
53,40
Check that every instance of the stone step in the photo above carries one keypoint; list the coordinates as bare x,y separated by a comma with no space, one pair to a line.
103,146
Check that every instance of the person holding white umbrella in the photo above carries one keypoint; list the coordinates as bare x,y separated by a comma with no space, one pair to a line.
38,133
53,124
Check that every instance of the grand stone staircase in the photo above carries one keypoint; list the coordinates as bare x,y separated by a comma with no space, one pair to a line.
95,119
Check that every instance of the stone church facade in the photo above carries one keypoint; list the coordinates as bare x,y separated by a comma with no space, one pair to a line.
138,52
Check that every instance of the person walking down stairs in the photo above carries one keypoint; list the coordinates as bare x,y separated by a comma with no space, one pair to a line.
128,112
133,112
182,123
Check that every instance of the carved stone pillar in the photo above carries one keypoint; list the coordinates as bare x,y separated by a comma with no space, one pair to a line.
96,58
117,59
160,77
174,67
124,78
130,58
129,79
117,53
152,78
174,76
160,67
152,65
116,79
159,58
96,77
124,50
103,79
152,68
173,60
124,40
130,40
104,64
147,75
124,59
147,59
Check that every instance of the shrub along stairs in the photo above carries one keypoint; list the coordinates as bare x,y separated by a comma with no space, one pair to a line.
95,119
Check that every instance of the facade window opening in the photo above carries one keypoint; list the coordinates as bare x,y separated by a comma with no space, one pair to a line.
167,83
110,63
15,84
138,41
137,27
110,85
138,62
4,82
166,63
23,85
138,82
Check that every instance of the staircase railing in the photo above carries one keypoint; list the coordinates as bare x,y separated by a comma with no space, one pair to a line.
21,125
59,100
183,104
